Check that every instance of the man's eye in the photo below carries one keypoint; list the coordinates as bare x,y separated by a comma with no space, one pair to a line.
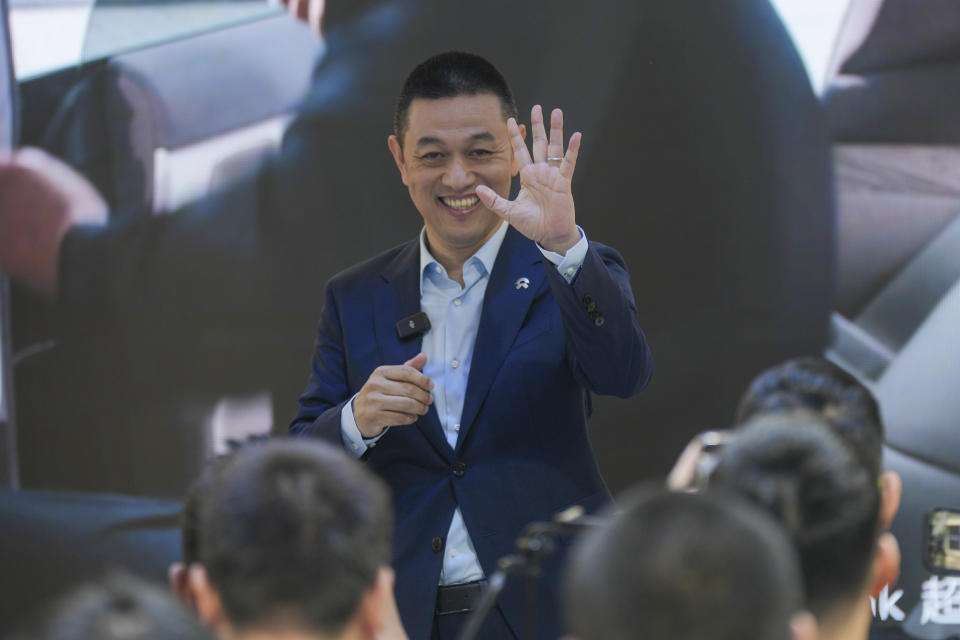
431,155
481,152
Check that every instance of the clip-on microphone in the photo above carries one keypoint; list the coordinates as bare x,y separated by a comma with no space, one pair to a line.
413,325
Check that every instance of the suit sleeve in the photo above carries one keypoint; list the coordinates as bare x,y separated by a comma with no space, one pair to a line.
606,347
327,391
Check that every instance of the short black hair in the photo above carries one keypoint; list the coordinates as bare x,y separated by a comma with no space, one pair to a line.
448,75
120,607
818,385
797,468
292,533
683,566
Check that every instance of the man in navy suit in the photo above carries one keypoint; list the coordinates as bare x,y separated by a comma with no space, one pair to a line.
477,417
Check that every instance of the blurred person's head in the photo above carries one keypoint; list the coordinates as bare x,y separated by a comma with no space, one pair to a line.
683,566
287,537
820,386
795,467
817,385
119,607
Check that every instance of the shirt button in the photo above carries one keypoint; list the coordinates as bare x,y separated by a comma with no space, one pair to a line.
456,427
570,271
455,364
436,544
453,553
354,445
438,269
457,302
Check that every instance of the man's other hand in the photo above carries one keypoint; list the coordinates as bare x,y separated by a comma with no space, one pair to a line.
543,210
393,395
40,199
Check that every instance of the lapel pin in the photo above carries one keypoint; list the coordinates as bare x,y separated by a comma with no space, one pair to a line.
522,283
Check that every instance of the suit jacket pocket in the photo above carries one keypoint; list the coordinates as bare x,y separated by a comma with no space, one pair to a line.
535,329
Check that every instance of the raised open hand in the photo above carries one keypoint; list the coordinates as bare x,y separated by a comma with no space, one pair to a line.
543,210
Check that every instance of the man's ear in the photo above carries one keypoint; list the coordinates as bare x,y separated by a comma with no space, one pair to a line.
803,626
514,167
179,578
891,488
886,564
378,615
207,601
397,151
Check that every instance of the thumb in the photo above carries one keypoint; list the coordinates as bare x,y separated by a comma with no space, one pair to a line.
492,201
417,361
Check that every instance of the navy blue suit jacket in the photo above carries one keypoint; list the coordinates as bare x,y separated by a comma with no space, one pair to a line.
523,452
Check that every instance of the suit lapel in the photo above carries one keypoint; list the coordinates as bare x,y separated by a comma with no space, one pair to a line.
398,296
504,308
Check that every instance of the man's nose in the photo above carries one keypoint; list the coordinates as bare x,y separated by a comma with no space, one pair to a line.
457,175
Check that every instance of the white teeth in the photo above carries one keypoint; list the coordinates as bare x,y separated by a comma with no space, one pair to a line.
461,203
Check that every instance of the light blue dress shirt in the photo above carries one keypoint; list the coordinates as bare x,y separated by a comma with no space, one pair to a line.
454,314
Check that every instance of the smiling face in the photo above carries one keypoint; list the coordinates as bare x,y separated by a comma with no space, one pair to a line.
450,146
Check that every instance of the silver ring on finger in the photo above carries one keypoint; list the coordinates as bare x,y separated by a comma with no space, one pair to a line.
555,159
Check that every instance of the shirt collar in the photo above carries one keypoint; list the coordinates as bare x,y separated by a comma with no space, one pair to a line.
486,254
